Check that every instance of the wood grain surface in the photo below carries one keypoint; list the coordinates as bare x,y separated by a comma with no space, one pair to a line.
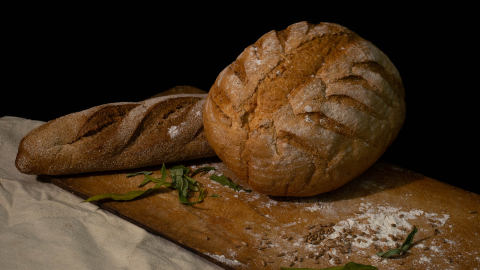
242,230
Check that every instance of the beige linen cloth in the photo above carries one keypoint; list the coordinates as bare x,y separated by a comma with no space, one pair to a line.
45,227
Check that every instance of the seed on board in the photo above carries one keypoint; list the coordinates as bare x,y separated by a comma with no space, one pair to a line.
263,263
248,228
393,225
472,212
244,244
207,238
359,213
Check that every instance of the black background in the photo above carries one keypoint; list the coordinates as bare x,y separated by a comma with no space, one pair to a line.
64,59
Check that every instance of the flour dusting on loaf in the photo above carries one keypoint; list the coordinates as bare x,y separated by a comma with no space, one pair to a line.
316,104
118,136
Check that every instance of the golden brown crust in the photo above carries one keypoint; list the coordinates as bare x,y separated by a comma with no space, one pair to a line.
180,89
315,103
117,136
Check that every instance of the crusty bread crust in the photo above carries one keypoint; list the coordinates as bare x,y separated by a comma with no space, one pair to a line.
316,104
118,136
180,89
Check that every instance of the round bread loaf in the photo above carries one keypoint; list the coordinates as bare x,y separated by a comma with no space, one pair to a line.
304,110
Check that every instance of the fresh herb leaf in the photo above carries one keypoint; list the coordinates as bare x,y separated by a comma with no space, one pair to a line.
224,181
123,197
202,170
408,242
180,180
185,169
192,187
184,200
405,246
193,181
201,195
149,179
164,173
386,254
145,181
348,266
138,173
215,195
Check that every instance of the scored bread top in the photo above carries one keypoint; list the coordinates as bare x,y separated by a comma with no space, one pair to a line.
118,136
305,110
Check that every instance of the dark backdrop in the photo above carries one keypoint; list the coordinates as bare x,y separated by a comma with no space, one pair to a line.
69,59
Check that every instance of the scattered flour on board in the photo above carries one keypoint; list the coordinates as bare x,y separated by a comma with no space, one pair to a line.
222,258
383,221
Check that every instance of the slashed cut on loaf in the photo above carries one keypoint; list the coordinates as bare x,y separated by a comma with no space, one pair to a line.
118,136
304,110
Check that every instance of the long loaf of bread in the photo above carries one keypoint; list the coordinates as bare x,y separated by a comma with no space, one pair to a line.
118,136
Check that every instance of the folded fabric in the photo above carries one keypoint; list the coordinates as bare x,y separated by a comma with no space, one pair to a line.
45,227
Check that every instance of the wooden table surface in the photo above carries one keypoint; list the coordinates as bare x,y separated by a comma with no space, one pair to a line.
241,230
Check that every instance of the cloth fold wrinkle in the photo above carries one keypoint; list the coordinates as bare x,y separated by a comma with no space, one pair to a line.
45,227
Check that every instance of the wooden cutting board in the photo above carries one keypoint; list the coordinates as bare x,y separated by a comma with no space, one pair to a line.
241,230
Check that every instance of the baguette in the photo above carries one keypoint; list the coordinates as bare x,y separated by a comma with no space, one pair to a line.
117,136
316,104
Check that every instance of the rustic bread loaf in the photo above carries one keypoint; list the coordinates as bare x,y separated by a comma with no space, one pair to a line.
314,104
180,89
118,136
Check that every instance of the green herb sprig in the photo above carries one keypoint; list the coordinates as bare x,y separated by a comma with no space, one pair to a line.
202,171
224,181
348,266
405,246
355,266
181,181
